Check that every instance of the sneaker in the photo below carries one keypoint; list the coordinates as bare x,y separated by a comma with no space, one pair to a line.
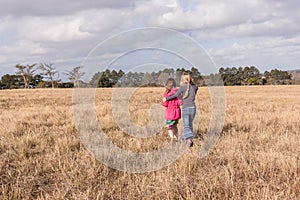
174,140
189,142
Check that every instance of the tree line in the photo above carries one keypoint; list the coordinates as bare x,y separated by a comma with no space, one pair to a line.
113,78
42,75
45,75
252,76
225,76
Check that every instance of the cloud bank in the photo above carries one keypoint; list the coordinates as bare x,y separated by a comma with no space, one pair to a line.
264,33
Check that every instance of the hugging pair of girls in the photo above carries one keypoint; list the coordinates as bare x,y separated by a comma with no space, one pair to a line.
173,99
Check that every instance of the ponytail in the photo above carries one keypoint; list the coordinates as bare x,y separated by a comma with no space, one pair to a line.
186,79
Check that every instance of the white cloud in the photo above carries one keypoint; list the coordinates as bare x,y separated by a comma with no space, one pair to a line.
51,29
234,32
104,20
265,53
57,7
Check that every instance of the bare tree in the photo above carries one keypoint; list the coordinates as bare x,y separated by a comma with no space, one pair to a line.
162,78
75,75
147,79
49,71
26,71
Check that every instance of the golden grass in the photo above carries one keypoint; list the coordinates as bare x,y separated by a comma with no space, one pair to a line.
257,156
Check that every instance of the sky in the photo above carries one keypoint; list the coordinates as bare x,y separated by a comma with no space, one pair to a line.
130,34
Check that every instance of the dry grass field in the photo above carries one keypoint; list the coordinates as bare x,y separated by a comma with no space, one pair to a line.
256,157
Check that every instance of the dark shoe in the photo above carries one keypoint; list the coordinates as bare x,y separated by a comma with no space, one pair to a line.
189,142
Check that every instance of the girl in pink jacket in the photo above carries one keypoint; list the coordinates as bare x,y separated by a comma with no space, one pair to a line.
173,112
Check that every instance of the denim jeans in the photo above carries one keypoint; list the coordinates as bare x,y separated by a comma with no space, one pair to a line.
188,115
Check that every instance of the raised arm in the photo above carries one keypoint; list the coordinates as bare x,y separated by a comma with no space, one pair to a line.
179,91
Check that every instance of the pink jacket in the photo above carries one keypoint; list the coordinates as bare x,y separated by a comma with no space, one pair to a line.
172,106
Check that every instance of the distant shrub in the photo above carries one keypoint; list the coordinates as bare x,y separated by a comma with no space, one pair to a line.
41,84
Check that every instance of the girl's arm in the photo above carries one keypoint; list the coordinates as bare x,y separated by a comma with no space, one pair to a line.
179,100
179,91
165,103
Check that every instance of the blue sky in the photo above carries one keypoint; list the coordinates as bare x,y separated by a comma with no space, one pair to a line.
263,33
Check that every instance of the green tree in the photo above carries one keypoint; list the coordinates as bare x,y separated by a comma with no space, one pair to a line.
11,81
239,76
105,79
114,77
95,79
252,75
224,73
196,75
279,77
215,80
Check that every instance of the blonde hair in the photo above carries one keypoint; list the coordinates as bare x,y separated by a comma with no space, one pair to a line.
188,80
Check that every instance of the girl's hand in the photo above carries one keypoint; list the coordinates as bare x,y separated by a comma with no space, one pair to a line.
164,99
